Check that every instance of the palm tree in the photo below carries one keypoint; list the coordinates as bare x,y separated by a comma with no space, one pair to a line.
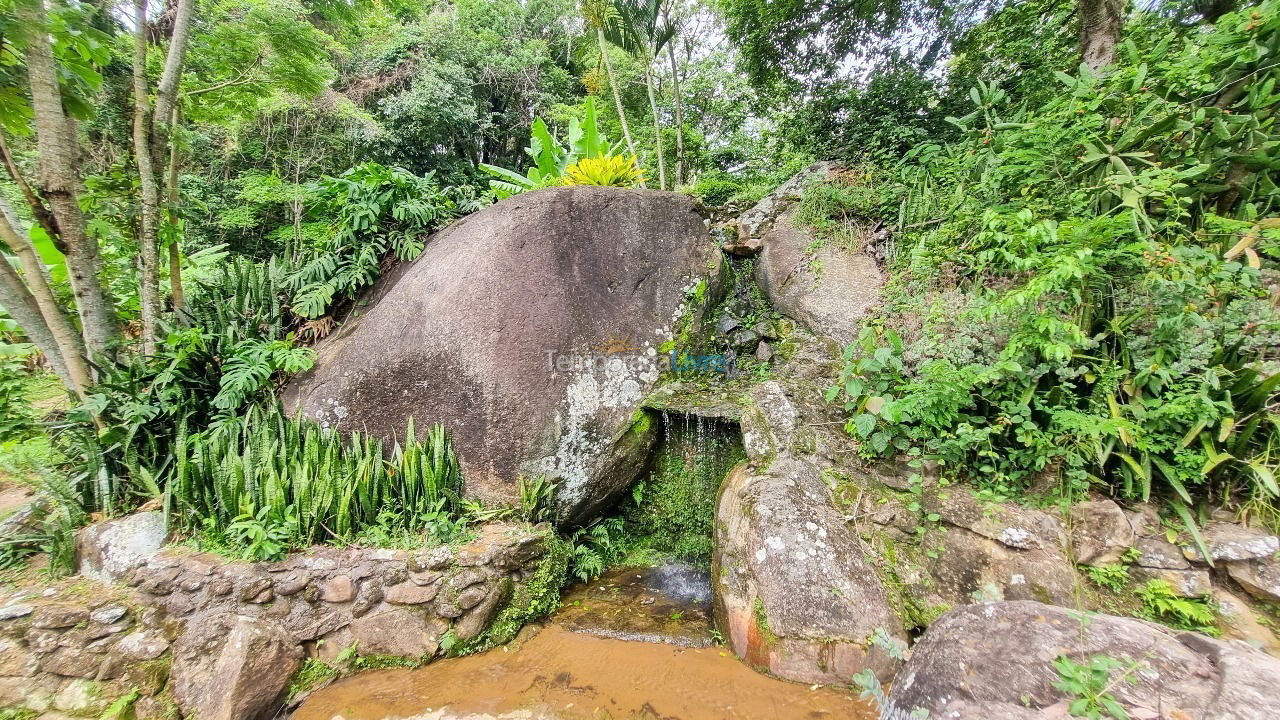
675,89
643,31
602,16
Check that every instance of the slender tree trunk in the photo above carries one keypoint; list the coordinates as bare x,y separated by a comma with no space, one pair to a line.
1101,22
617,97
66,352
17,301
679,103
148,254
44,218
59,178
177,296
167,88
657,128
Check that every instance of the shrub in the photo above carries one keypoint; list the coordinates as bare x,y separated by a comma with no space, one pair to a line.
380,211
1077,289
551,157
266,480
715,189
606,171
16,418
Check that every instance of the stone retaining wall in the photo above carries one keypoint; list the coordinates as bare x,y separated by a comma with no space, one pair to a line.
235,632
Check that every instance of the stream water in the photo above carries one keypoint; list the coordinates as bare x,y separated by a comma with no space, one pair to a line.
633,644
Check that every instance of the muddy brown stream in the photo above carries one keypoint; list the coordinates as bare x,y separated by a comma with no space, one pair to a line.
590,671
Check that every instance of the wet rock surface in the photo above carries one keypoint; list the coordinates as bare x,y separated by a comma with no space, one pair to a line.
669,603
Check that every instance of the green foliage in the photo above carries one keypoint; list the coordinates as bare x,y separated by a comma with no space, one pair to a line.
890,114
1076,285
313,674
778,40
1112,577
553,158
1089,687
252,364
534,598
595,547
604,171
870,688
122,707
537,499
264,537
1020,48
672,511
234,350
80,49
267,482
17,422
1161,603
716,188
380,210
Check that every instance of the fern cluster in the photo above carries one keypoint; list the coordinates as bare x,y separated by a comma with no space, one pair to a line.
379,211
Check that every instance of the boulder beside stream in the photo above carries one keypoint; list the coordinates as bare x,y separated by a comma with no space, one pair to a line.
531,329
995,661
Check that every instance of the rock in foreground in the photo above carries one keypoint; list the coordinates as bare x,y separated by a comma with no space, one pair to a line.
531,329
994,661
794,595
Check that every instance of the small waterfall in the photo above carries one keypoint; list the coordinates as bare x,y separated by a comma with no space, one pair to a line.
674,512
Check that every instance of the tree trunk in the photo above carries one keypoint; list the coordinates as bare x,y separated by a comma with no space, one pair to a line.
679,103
17,301
657,129
44,218
66,352
167,89
148,219
177,296
59,178
1101,22
617,97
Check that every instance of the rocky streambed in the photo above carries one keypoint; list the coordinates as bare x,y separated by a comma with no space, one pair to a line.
634,643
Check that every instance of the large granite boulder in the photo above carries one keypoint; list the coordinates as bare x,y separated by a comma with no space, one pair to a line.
995,661
825,287
531,329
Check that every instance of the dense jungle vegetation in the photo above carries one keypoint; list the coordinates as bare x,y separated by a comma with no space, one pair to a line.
1076,203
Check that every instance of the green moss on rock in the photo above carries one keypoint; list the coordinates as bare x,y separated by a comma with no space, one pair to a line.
536,597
